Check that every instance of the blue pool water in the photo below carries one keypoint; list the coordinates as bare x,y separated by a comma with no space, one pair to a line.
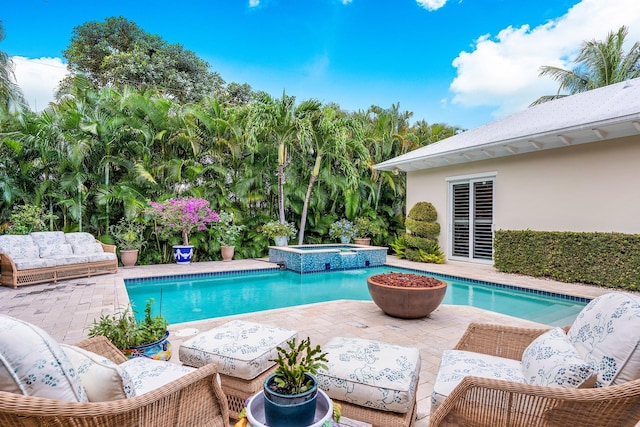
197,297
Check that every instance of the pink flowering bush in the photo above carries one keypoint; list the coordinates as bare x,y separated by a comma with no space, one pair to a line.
184,215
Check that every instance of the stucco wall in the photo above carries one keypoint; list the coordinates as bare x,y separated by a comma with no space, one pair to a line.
590,187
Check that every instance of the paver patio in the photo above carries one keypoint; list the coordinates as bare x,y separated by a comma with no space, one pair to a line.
66,310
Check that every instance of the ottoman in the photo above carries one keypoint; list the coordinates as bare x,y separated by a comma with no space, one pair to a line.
374,381
242,351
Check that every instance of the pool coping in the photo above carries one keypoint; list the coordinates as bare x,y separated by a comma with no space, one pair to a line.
528,290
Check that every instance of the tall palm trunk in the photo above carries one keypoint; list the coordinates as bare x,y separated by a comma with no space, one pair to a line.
307,197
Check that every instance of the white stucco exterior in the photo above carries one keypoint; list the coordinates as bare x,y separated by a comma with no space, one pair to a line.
591,187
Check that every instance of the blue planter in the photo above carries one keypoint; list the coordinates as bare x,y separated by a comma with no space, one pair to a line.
289,410
182,253
158,350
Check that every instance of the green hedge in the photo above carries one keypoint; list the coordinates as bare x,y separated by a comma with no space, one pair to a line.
423,211
604,259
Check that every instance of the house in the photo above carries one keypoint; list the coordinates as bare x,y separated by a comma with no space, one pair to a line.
572,164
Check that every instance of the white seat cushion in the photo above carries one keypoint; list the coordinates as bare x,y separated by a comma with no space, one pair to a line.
371,373
102,379
29,263
457,364
240,349
148,374
551,360
33,364
606,334
68,259
19,246
102,256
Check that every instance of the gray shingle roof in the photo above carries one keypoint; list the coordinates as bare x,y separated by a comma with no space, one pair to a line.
605,113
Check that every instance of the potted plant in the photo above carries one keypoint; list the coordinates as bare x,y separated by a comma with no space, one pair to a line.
343,229
366,229
280,232
290,393
128,235
227,233
148,338
183,215
406,295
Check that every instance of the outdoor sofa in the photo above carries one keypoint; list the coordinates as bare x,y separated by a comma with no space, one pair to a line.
48,256
586,374
92,384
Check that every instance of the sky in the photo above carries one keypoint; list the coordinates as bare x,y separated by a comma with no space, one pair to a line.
460,62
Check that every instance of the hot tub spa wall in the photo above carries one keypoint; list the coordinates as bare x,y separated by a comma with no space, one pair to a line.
330,259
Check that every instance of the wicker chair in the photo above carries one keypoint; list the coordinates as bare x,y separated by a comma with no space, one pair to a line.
494,403
193,400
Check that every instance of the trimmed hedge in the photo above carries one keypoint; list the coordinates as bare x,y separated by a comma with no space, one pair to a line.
423,211
605,259
423,229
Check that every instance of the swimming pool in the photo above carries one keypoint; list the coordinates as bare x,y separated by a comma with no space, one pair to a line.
197,297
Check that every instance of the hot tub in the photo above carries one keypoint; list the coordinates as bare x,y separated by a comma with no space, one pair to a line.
314,258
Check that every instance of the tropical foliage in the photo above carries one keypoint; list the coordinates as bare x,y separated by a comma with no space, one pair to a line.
101,152
599,63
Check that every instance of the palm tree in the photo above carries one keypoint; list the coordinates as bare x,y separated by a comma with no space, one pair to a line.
335,138
10,93
599,63
285,124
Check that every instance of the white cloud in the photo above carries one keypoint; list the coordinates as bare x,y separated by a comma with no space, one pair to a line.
38,78
346,1
254,3
503,71
431,5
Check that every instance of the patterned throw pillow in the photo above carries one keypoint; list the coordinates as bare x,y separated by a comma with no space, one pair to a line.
551,360
102,379
33,364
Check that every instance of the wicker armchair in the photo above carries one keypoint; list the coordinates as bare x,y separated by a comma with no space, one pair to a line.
193,400
494,403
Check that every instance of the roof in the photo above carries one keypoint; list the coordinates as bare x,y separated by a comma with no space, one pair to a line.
605,113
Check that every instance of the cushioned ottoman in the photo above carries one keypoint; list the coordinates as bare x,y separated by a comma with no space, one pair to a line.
242,351
375,382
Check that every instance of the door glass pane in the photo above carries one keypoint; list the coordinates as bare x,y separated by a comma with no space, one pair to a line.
483,220
461,210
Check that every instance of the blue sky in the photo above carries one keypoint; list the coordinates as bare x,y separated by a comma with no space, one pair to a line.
462,62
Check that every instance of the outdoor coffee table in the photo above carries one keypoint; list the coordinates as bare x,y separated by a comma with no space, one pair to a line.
324,411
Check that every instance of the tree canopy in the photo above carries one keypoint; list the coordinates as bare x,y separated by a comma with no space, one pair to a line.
599,63
118,52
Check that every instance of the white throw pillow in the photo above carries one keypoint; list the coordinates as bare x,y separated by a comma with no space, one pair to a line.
102,379
33,364
551,360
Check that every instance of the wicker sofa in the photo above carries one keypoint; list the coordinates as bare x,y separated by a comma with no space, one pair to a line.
49,256
587,374
92,384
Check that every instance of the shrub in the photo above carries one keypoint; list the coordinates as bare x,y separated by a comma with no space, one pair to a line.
423,229
423,211
605,259
27,218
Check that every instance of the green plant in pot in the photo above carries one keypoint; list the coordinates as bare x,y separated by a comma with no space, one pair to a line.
129,237
366,229
148,338
280,232
291,392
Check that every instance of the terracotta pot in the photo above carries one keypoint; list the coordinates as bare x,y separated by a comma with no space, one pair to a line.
406,302
362,241
129,257
227,252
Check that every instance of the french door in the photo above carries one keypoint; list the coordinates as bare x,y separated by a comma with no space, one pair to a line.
471,224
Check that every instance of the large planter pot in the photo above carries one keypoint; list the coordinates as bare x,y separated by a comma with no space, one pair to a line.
227,252
345,240
406,302
366,241
281,240
183,253
289,410
129,257
256,415
158,350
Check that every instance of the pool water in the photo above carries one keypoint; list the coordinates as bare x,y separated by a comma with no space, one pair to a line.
197,297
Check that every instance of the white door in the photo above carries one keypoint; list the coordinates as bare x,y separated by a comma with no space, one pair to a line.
471,225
